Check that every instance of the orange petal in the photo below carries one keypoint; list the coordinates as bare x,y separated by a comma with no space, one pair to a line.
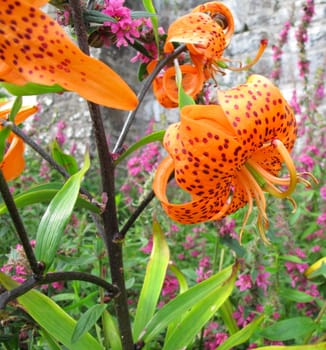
13,161
203,148
259,113
23,113
216,9
198,29
38,50
192,81
200,209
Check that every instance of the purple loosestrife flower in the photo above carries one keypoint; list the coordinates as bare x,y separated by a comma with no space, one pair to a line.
125,29
244,282
262,279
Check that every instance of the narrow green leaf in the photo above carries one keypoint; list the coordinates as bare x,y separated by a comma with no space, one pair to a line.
155,136
199,314
56,217
4,133
94,16
149,7
295,295
112,332
183,98
241,336
15,108
65,160
87,321
183,285
31,89
141,14
49,340
153,281
182,303
44,194
319,346
288,329
51,317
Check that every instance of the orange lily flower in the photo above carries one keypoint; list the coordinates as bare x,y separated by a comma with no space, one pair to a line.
34,48
225,156
13,162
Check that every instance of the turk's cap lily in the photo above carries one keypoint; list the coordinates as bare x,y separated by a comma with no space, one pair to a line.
227,155
13,162
34,48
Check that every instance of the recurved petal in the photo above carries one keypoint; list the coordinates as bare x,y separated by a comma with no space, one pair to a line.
204,149
39,51
259,113
199,30
221,14
13,161
199,209
192,81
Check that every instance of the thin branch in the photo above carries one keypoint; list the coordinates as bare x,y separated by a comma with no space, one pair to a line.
37,148
134,216
20,228
148,83
51,277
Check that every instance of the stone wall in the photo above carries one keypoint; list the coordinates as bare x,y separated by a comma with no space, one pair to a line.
254,20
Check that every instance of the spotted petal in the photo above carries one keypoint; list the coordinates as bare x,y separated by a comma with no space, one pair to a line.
34,48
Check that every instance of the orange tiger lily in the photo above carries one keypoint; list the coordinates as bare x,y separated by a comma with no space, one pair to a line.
225,156
13,162
34,48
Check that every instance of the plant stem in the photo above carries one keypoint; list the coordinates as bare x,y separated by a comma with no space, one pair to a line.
142,93
20,228
109,215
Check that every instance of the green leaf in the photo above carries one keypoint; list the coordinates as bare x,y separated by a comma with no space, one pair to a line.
155,136
94,16
295,295
319,346
184,99
15,108
44,194
183,302
56,217
198,315
142,71
51,317
87,321
153,281
142,14
4,133
112,332
149,7
50,341
241,336
288,329
183,285
31,89
65,160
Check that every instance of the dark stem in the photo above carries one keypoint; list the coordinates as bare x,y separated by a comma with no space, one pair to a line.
20,228
134,216
109,215
51,277
148,83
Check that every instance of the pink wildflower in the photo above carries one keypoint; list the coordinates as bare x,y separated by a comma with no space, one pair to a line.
244,282
262,279
125,28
